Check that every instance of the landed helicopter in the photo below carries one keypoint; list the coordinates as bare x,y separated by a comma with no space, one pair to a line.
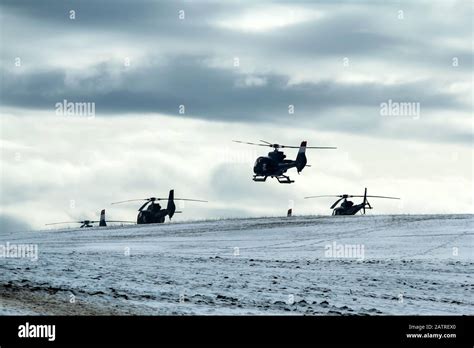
348,207
154,213
275,164
88,223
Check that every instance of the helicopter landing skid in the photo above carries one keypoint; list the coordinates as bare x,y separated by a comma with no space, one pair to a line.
259,178
283,179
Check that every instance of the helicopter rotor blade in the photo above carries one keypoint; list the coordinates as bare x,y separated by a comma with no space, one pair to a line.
297,147
130,200
190,200
74,222
384,197
350,196
322,147
264,141
336,202
133,222
153,199
176,199
277,146
245,142
308,147
65,222
376,197
144,205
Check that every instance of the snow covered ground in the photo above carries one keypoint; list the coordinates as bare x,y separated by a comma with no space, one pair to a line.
403,264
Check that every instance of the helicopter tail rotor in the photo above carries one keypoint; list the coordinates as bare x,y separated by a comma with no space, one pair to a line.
102,222
171,207
365,200
301,158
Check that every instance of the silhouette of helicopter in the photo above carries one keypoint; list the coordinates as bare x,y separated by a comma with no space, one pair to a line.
88,223
275,164
348,207
154,213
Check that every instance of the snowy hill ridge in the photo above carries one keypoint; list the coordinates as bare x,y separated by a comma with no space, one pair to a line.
312,265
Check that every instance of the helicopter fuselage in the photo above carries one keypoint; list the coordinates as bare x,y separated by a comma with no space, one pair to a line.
348,207
274,164
152,214
348,210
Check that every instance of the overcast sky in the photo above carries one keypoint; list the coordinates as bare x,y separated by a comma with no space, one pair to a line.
236,68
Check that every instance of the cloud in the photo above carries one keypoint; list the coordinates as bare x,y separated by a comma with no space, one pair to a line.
191,61
266,18
227,95
236,68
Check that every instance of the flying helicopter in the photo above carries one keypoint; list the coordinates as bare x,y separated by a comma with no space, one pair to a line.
154,213
275,164
88,223
348,207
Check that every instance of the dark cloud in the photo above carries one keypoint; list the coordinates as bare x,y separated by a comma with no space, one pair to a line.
119,16
360,31
209,92
222,94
